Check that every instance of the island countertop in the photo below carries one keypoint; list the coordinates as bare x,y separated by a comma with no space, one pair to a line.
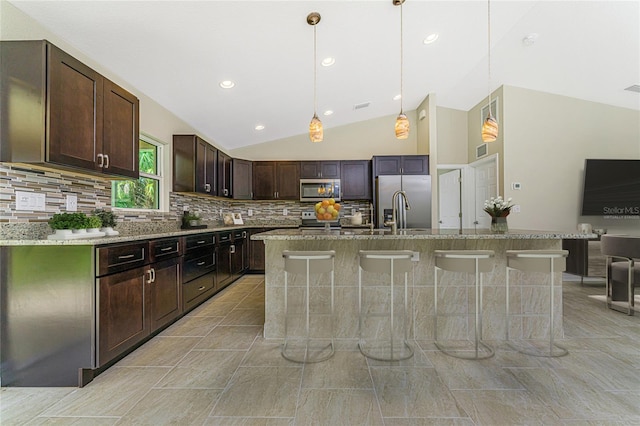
415,234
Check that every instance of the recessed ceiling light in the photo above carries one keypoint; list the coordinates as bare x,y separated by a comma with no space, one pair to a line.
431,38
328,112
327,62
227,84
530,39
397,97
259,127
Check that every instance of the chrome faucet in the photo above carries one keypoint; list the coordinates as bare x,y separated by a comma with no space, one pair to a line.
394,215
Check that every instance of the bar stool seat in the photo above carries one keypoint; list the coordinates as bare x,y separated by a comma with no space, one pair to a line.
474,262
385,262
549,261
307,263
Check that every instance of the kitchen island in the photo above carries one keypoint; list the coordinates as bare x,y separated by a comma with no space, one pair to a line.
529,306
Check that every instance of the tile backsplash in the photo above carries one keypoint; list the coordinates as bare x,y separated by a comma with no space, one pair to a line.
94,192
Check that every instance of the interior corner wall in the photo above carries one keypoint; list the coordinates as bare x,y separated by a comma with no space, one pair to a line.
452,136
356,141
547,139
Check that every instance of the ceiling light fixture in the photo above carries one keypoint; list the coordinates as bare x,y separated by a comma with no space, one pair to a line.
328,112
490,126
227,84
402,122
315,127
397,97
259,127
327,62
430,38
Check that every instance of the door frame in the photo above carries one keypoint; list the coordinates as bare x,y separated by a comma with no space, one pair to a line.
469,185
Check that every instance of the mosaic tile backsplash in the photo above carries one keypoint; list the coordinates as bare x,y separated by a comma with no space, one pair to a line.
94,192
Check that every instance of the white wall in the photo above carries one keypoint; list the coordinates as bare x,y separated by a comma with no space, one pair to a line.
546,140
356,141
452,136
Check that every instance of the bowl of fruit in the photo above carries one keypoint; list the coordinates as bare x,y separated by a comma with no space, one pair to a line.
327,210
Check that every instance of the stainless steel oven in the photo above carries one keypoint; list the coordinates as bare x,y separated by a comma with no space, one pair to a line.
319,189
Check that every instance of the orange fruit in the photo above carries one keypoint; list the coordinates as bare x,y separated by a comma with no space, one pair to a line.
325,203
336,206
327,216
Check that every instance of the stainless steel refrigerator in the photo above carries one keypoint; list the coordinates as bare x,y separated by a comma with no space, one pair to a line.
418,190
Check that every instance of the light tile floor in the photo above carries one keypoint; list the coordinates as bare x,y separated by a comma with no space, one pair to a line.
213,368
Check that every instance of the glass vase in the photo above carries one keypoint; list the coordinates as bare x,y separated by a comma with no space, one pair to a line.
499,225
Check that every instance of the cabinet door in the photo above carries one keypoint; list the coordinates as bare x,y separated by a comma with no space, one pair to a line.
387,165
415,165
264,180
122,321
256,253
75,115
356,180
242,179
224,175
164,295
288,180
223,266
309,169
330,169
121,135
205,167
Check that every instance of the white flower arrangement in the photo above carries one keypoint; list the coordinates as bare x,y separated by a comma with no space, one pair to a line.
498,207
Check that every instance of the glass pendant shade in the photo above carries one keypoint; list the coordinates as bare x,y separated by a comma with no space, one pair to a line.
315,129
402,126
489,129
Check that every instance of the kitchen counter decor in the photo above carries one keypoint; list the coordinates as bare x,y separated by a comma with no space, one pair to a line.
498,209
74,226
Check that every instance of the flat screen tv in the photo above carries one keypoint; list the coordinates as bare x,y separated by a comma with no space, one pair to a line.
611,188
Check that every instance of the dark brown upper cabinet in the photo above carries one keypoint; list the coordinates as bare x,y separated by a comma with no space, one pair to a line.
320,169
400,165
242,179
225,166
194,165
356,179
276,180
57,111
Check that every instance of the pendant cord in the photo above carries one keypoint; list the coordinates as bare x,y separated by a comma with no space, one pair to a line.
401,62
489,54
315,72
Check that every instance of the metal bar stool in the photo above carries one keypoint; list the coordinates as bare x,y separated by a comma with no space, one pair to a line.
386,262
538,261
472,262
307,263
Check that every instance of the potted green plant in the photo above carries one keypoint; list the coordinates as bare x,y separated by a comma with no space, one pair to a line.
93,223
64,224
190,220
108,219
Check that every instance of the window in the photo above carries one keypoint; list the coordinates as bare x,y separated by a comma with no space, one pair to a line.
143,193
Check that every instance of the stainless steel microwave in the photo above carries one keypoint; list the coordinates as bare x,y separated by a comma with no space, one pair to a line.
319,189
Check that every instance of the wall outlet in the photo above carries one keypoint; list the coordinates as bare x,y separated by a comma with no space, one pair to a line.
72,203
250,212
31,201
516,208
185,208
415,257
516,186
285,212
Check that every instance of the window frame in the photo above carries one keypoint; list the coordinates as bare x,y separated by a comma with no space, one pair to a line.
163,196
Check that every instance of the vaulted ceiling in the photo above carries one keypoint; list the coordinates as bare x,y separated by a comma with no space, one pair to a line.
177,52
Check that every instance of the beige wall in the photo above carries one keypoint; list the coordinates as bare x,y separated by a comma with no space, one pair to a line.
546,140
356,141
452,136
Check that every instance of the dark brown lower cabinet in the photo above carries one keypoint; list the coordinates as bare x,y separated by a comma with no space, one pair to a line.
121,319
164,293
256,252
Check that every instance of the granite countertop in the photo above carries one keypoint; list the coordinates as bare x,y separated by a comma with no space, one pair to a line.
126,238
414,234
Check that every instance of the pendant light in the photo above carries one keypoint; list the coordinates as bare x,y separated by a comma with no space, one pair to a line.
402,122
315,127
490,126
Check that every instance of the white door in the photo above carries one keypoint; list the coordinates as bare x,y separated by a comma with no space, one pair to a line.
449,199
486,186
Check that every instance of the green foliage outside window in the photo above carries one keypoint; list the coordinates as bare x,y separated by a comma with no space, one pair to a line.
144,192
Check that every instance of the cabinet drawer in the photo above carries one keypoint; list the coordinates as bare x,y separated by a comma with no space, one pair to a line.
224,237
197,288
239,235
195,266
199,240
164,248
116,258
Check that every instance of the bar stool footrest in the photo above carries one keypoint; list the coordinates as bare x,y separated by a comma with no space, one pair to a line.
484,351
383,353
307,354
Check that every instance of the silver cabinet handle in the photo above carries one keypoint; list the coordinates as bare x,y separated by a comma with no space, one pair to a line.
150,280
101,158
200,263
201,288
166,248
244,234
201,242
207,187
153,274
128,256
233,248
106,163
226,192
